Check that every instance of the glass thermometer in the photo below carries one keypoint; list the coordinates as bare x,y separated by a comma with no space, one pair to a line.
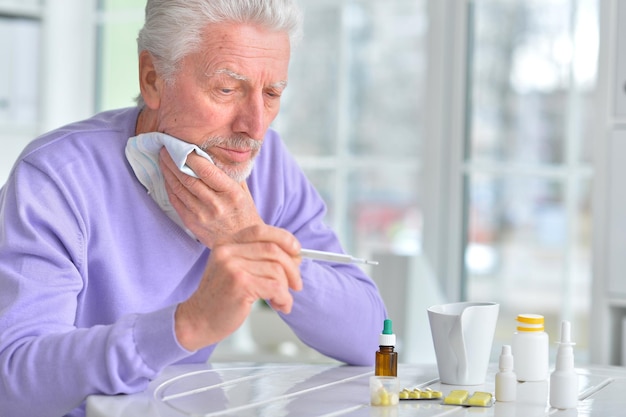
334,257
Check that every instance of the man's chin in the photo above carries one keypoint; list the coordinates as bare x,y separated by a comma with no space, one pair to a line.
238,173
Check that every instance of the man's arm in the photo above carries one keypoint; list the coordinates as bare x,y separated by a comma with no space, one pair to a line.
339,310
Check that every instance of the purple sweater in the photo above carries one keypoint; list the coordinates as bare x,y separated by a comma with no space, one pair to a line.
91,271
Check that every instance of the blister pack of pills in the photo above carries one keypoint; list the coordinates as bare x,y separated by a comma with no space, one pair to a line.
463,398
418,394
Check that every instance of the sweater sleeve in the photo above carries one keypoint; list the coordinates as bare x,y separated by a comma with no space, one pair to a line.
44,353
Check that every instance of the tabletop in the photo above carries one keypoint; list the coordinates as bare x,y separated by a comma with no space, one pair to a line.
248,389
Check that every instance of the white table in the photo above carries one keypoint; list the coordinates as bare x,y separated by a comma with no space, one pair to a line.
287,390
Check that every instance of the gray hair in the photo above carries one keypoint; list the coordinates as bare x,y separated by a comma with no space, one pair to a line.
173,28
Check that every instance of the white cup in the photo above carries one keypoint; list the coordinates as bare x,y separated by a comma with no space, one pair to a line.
462,335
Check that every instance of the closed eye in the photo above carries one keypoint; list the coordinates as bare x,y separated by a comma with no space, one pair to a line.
274,94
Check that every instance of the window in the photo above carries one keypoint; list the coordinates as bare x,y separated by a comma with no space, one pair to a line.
527,171
353,115
117,69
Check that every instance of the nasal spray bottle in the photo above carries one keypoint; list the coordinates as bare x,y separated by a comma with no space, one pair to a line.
564,380
386,357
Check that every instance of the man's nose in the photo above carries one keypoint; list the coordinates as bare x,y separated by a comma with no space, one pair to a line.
252,117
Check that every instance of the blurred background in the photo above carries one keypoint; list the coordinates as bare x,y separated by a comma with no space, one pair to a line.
472,147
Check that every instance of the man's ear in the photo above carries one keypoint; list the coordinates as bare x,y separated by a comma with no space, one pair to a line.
150,82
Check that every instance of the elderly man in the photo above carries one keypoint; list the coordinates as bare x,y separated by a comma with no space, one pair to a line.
118,259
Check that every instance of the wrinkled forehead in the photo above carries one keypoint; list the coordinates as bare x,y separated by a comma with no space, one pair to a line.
248,39
243,52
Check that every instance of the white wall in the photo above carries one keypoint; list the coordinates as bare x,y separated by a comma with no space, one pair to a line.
19,86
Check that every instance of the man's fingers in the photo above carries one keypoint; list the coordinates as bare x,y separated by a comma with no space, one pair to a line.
209,173
270,262
270,234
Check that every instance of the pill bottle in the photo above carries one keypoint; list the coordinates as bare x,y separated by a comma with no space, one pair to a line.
386,356
530,348
384,390
506,381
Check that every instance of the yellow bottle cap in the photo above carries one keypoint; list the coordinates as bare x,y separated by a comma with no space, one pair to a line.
530,322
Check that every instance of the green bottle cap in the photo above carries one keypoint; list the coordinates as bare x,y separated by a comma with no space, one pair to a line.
387,338
387,327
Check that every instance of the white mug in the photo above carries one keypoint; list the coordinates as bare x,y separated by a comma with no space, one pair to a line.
463,335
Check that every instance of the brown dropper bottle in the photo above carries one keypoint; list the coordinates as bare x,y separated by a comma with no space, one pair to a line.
386,357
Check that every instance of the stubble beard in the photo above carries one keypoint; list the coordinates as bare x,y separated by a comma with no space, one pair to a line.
240,171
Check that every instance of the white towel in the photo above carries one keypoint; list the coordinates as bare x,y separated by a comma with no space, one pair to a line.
142,152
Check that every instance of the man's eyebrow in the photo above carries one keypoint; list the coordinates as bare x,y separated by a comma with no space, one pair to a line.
230,73
279,84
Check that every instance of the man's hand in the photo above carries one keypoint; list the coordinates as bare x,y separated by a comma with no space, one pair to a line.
260,262
213,206
249,260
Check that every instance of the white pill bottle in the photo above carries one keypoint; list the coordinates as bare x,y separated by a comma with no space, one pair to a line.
530,348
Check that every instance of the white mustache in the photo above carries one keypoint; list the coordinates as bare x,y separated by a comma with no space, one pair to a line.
240,143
